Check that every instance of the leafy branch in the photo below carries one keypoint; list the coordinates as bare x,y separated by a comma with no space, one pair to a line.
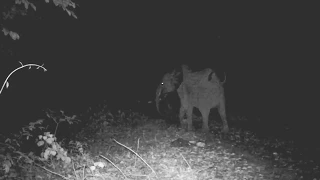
6,83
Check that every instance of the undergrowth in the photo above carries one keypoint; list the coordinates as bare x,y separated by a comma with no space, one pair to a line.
129,145
105,144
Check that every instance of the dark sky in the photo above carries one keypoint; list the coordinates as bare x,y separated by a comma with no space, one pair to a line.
119,53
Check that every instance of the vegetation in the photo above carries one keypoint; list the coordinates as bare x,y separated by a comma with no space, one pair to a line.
11,9
105,144
129,145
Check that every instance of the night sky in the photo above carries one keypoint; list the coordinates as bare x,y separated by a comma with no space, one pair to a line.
120,52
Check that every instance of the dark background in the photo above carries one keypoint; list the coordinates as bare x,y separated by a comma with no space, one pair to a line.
119,52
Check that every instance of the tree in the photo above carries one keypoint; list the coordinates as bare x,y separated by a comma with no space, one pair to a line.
12,8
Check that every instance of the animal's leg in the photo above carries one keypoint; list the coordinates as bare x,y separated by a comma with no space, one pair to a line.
222,112
205,116
182,113
189,118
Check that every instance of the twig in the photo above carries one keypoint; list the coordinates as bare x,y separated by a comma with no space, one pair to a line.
136,155
113,165
53,172
186,161
22,66
135,158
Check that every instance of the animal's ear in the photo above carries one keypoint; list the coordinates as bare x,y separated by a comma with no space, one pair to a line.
178,79
211,75
176,73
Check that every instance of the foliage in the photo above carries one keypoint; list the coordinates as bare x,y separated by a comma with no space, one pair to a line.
146,150
103,117
15,157
21,7
55,156
193,156
52,148
61,117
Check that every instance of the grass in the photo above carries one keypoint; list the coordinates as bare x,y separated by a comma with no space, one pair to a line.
129,145
233,156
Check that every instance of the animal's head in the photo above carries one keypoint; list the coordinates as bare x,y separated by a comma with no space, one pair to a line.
170,82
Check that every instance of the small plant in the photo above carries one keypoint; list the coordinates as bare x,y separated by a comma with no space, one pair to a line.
15,158
52,148
60,117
